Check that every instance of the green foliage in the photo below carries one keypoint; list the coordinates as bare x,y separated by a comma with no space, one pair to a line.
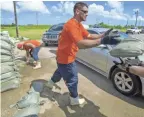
29,31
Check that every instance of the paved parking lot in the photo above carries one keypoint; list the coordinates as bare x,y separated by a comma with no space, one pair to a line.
139,36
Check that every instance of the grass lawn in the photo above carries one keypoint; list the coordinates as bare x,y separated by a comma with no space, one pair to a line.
32,32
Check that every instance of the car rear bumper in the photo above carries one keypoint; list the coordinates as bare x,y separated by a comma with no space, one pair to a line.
129,31
50,41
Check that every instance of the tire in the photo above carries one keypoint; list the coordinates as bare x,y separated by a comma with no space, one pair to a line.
131,86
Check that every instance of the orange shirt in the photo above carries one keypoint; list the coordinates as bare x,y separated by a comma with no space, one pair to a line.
72,32
34,42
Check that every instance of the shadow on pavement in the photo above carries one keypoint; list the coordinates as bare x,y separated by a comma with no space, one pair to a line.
89,109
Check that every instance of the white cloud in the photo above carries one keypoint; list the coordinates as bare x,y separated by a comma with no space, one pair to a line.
38,6
99,10
136,10
64,7
7,6
116,5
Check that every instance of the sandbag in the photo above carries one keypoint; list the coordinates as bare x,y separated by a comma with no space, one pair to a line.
6,69
10,78
6,46
5,33
6,52
128,48
31,111
5,58
10,74
8,40
8,64
11,84
29,99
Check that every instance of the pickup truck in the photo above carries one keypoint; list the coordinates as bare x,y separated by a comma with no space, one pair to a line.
133,30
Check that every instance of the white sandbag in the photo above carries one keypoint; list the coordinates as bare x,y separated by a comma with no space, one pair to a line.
14,40
6,52
5,33
10,74
128,48
28,111
5,45
6,69
8,64
30,98
11,84
10,78
8,40
5,58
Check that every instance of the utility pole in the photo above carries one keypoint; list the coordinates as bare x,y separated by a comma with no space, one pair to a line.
36,17
136,13
127,23
15,14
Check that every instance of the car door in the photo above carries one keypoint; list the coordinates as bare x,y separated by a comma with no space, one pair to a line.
98,57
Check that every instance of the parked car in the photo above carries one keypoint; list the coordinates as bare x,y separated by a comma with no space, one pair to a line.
133,30
99,59
142,30
50,37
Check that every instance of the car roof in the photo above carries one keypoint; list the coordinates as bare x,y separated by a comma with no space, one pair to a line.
98,29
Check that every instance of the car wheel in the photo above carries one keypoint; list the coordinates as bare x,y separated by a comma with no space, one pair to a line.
125,83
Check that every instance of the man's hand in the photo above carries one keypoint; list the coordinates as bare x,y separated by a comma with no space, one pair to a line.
110,40
107,32
27,60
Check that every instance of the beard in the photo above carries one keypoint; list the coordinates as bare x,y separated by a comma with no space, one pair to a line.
82,19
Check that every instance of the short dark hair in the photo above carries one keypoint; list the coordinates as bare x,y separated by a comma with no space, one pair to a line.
79,5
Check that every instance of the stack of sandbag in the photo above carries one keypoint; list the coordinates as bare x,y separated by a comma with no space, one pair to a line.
10,77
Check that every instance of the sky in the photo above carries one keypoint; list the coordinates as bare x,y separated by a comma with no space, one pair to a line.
54,12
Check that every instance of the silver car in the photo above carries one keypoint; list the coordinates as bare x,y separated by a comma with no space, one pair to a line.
50,37
99,59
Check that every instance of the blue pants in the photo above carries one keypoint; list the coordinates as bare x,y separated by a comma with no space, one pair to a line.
34,53
70,76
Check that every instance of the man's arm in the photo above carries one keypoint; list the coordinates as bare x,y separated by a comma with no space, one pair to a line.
137,70
83,44
95,36
27,51
27,56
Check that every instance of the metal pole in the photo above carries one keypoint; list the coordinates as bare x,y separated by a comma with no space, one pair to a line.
15,14
37,18
136,17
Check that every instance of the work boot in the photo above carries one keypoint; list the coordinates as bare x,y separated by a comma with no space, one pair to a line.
37,66
76,101
49,84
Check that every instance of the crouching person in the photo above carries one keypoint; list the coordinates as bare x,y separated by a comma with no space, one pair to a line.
32,48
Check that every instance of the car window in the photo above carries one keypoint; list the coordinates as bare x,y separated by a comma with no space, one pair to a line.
56,28
92,32
123,36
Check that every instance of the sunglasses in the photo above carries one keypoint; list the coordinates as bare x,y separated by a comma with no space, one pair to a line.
85,12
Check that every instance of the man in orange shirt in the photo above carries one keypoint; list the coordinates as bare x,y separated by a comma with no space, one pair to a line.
32,48
73,37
